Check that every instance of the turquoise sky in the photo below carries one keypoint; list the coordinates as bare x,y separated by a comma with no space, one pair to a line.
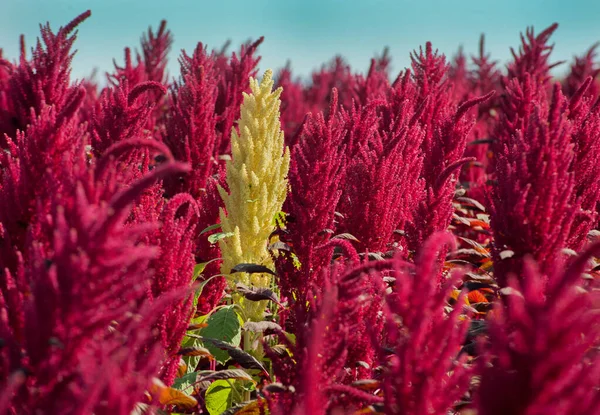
307,32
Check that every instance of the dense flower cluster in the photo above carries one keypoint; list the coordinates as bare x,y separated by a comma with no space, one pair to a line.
355,243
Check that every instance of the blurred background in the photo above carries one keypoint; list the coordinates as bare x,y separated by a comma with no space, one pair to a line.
308,32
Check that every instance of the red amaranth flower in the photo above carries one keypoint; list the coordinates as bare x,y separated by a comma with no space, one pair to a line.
446,127
532,203
376,84
122,113
335,74
423,373
483,79
532,57
191,121
382,187
48,147
582,68
317,168
293,106
334,330
542,354
155,48
82,277
43,81
172,270
234,78
584,115
209,205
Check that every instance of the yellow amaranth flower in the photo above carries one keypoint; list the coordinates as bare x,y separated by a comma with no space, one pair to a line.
257,181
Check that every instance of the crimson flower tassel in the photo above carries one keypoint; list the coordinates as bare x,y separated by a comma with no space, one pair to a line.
42,81
191,121
316,170
424,374
542,354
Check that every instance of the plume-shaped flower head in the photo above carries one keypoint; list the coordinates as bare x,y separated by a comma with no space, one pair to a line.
257,182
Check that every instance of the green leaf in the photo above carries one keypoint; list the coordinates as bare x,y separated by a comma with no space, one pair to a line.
201,285
191,361
290,337
218,397
210,228
216,237
223,325
198,268
280,219
186,382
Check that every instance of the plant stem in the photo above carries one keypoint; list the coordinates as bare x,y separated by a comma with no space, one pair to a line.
247,348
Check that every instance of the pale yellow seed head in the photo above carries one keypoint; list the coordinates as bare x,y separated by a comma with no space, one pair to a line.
257,181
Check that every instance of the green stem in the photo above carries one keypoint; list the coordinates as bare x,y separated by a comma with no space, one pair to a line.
247,348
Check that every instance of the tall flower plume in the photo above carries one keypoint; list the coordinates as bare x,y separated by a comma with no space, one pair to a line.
42,81
446,126
316,172
191,120
335,324
534,200
384,162
81,284
256,177
582,68
542,355
424,374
